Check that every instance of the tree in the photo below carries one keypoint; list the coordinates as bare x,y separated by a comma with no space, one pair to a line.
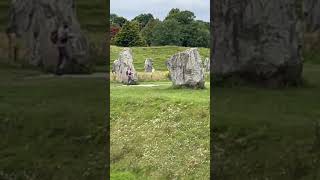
183,17
129,35
143,19
167,33
116,20
114,30
147,31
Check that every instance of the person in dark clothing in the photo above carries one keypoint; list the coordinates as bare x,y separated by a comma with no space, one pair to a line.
63,35
129,74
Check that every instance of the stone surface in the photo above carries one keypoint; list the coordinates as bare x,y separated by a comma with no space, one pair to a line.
34,21
258,40
206,65
122,64
312,13
148,65
186,69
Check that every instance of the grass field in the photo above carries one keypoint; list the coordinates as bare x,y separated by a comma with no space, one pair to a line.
268,133
159,132
51,128
159,55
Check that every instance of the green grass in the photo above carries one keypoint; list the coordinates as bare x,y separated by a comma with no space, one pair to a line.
51,128
159,55
159,132
268,133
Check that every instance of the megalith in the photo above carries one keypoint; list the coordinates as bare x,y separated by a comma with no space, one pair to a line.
186,69
148,65
258,41
122,65
34,22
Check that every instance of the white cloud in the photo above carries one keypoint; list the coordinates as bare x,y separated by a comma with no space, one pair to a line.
159,8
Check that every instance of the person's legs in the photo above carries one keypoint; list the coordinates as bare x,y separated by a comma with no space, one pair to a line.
60,60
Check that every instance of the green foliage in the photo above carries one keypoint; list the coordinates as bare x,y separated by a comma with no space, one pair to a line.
129,35
117,20
147,31
167,33
183,17
143,19
179,28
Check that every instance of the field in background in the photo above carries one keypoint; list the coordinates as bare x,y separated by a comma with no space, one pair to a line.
159,132
159,54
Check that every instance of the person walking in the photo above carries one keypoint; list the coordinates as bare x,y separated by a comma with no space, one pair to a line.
129,73
63,36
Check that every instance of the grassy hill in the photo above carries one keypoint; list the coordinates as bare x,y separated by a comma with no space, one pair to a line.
268,133
159,55
159,132
51,128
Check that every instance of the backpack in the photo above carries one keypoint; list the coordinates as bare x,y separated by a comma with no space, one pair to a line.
54,37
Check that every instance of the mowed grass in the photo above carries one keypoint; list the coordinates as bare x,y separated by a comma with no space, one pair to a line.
159,132
51,128
159,54
268,133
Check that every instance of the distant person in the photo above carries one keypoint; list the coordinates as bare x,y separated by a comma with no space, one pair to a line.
61,38
12,43
129,73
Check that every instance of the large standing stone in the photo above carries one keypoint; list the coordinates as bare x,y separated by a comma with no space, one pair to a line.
148,65
121,65
34,21
186,69
258,40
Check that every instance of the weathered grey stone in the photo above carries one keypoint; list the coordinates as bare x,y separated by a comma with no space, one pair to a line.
148,65
312,15
122,64
34,21
206,65
258,40
186,69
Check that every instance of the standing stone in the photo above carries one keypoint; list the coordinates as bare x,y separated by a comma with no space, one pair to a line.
148,65
186,69
312,13
258,41
34,22
121,65
206,65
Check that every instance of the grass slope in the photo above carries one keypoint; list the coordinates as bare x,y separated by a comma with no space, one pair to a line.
159,132
51,128
268,133
159,54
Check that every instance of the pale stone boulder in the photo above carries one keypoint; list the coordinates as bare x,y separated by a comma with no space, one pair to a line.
34,21
186,69
122,65
148,65
258,41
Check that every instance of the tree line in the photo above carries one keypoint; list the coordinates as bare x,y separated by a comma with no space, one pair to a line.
179,28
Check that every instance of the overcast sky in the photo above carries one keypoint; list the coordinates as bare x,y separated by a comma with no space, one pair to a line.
160,8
